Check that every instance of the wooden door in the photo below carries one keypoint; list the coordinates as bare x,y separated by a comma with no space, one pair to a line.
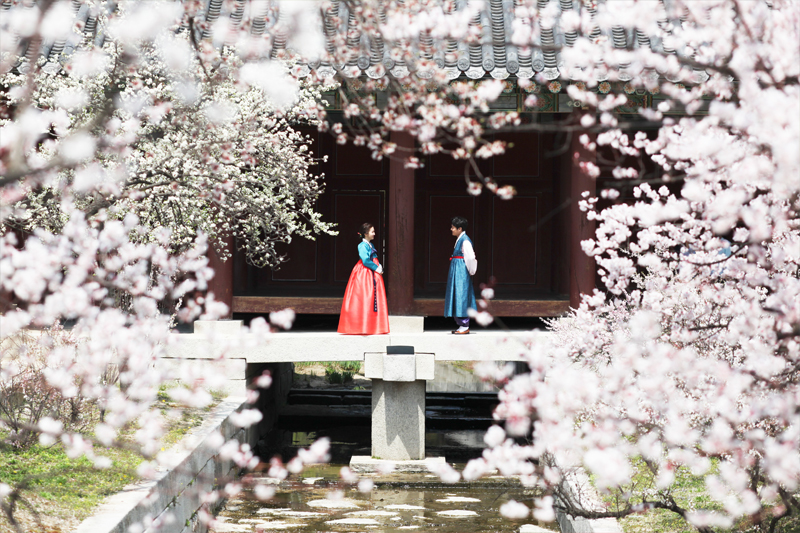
520,243
355,192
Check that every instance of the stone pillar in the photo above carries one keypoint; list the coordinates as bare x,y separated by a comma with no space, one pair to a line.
398,420
398,402
400,242
581,266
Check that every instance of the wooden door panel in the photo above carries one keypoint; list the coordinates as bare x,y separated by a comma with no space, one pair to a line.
350,211
521,159
525,264
357,161
514,240
443,165
440,242
302,261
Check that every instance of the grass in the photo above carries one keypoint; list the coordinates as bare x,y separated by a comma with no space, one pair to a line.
65,491
334,377
188,419
469,366
336,372
341,371
353,367
689,492
64,488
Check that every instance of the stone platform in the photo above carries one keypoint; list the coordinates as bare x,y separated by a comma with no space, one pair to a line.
363,464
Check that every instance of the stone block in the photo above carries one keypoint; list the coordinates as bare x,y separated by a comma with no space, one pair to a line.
363,464
398,420
233,370
187,501
235,387
218,327
174,368
192,463
426,363
406,324
373,365
354,399
400,367
291,346
316,399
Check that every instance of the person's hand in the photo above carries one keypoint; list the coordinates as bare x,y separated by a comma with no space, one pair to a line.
380,269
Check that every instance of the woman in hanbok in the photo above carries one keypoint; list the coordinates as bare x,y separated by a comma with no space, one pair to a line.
364,309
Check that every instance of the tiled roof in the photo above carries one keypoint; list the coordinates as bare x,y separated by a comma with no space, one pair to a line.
495,55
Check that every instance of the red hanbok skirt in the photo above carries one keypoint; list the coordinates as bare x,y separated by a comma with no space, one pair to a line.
364,309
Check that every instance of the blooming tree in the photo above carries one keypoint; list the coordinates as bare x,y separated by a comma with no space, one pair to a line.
185,149
120,163
687,359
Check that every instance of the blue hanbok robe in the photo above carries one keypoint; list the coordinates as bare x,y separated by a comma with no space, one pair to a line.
459,295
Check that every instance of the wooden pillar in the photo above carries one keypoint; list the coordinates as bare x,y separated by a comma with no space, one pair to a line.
400,242
222,282
581,267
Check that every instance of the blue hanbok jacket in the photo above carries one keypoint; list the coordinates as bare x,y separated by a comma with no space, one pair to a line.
367,252
460,295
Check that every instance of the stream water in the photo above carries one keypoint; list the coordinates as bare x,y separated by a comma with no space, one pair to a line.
318,501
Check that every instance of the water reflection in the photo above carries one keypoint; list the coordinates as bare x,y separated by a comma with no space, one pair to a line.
318,502
456,446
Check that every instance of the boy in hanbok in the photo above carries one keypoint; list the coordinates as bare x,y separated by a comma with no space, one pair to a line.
460,295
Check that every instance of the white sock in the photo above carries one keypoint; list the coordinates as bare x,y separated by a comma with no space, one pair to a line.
463,328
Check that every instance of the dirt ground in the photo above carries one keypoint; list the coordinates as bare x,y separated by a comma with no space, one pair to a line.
41,522
313,377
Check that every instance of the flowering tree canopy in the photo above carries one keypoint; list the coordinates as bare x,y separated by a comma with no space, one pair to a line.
179,114
165,138
121,162
687,358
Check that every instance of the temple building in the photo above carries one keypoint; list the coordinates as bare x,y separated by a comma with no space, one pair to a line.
528,248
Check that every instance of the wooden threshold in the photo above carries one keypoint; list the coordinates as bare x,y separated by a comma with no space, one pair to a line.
422,307
532,308
304,305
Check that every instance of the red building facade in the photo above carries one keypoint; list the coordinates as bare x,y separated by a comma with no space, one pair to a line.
528,248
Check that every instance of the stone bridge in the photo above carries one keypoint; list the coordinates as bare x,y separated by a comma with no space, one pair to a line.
295,347
398,363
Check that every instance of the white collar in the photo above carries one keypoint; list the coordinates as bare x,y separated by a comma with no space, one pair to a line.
366,241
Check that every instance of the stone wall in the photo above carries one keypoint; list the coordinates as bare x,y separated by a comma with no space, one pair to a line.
450,378
176,492
173,499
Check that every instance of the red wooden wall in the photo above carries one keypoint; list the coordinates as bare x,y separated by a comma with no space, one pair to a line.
522,244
